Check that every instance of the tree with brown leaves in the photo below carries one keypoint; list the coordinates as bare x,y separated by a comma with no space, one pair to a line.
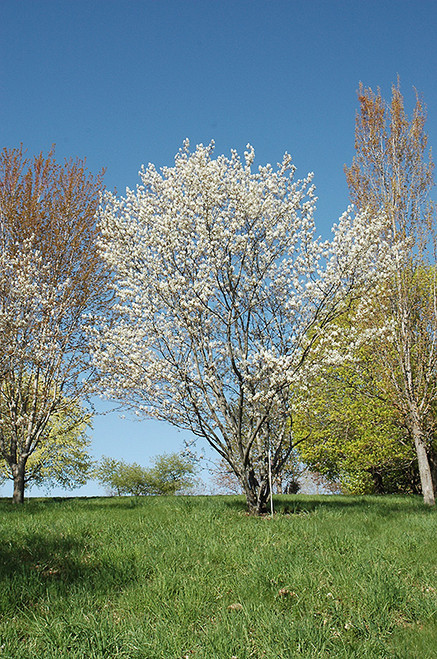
392,170
52,281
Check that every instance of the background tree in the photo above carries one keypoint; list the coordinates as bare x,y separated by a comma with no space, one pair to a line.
286,482
170,474
225,301
108,472
51,276
223,478
391,171
353,435
61,457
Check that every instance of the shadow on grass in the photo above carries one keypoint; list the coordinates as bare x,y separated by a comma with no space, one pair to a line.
103,504
42,505
300,504
34,565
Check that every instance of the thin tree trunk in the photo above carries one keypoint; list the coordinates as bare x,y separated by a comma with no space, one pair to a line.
424,465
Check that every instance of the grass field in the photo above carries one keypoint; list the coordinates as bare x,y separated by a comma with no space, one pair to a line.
195,577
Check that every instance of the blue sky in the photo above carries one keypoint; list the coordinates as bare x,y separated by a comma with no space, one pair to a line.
123,82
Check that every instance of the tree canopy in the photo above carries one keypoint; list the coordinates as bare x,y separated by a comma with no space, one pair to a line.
225,301
62,456
353,434
52,280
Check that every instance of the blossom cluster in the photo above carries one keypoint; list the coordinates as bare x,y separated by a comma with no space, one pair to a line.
226,297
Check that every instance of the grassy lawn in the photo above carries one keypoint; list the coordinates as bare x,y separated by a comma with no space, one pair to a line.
195,577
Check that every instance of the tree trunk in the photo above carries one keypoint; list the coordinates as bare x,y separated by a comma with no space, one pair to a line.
424,465
18,474
378,484
278,485
257,494
432,457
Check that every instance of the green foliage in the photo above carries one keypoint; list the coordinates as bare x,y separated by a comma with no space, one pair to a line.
108,473
327,577
61,457
347,424
351,433
170,474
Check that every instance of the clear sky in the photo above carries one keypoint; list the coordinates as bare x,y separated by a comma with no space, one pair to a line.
123,82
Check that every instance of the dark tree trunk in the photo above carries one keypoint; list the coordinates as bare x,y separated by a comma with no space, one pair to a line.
257,494
378,484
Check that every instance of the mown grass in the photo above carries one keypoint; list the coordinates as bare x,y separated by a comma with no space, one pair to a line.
195,577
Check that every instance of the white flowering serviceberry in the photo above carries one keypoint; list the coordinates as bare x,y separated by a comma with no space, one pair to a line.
224,297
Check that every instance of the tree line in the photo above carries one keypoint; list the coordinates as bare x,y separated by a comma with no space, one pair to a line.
204,298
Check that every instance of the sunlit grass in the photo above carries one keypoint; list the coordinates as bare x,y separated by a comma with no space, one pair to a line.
196,577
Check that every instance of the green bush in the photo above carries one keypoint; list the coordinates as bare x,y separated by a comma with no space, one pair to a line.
170,474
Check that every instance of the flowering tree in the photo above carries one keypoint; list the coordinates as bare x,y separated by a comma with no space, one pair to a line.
50,276
225,301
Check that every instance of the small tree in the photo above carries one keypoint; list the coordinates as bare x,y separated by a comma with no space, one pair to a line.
51,278
225,302
108,473
170,474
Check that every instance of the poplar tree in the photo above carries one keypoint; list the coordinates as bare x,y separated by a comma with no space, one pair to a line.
392,172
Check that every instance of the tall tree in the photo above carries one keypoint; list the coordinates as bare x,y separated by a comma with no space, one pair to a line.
51,277
225,301
393,171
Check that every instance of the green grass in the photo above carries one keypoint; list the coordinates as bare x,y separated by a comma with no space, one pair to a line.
341,577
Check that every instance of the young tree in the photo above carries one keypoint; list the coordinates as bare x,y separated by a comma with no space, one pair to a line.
51,276
392,172
109,473
170,474
225,301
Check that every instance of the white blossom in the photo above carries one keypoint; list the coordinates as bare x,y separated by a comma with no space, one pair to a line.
226,298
